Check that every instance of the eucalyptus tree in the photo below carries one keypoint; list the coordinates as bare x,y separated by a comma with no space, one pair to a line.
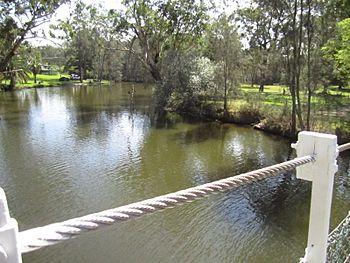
160,26
79,42
298,29
290,27
91,42
224,48
268,24
18,21
258,27
108,60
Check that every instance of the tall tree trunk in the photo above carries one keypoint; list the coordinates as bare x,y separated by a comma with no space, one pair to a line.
291,86
294,107
293,69
264,65
309,92
298,67
12,81
154,70
81,73
225,88
100,73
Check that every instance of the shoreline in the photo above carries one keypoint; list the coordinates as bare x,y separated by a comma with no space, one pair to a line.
258,123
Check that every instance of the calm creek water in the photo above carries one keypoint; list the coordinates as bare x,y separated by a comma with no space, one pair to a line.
66,152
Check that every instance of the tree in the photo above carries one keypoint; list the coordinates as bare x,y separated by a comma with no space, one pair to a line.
18,68
224,48
260,33
80,45
91,42
18,20
160,26
337,52
187,82
289,28
35,62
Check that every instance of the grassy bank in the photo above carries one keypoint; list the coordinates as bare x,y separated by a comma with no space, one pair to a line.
330,109
44,80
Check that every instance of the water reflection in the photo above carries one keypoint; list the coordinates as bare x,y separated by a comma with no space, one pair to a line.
70,151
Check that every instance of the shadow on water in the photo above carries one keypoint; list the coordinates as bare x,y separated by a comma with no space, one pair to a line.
164,120
202,132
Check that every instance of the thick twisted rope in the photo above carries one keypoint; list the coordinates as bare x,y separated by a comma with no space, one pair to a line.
344,147
36,238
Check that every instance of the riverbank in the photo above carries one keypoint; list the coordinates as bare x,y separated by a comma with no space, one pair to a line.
270,111
44,80
279,127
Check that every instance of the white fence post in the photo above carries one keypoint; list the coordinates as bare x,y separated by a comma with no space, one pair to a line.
321,173
9,249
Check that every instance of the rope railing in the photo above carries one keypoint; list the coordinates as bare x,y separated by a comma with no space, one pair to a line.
344,147
37,238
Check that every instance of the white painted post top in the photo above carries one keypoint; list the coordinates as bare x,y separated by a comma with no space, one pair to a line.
323,147
321,172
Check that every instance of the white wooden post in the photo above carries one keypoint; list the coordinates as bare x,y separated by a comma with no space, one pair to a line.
9,249
321,173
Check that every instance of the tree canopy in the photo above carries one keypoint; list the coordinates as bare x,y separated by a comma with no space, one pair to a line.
160,26
337,52
18,21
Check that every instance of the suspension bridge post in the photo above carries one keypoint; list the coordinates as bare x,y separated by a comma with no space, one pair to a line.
9,248
321,174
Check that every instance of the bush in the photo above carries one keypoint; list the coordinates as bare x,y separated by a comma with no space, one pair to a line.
188,81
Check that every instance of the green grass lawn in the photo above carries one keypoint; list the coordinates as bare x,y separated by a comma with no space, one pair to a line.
330,108
44,80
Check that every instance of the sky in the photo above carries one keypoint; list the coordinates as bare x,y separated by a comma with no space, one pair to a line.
63,11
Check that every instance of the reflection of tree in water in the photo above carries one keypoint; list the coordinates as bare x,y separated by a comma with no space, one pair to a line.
271,197
92,109
16,106
269,200
163,119
279,197
203,132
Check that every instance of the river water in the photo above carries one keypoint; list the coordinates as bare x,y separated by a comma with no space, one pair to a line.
70,151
